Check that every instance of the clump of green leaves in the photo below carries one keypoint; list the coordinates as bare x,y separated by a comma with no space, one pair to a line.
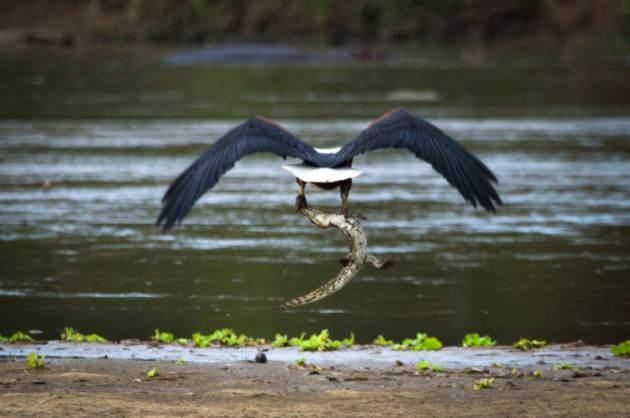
280,340
424,365
563,366
224,336
380,340
485,383
72,335
421,342
622,349
163,336
300,361
152,373
20,337
33,361
526,344
168,337
537,374
320,342
476,340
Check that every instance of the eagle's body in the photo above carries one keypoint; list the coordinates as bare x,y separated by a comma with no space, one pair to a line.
331,168
323,177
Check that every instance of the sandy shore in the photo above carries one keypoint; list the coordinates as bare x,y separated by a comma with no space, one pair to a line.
115,387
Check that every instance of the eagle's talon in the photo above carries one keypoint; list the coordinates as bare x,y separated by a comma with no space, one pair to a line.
300,202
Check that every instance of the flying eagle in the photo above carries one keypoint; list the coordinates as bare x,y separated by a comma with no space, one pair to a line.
331,168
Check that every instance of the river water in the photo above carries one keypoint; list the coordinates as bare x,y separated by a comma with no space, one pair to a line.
553,262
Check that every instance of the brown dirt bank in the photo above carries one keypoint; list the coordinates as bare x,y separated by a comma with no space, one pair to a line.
71,387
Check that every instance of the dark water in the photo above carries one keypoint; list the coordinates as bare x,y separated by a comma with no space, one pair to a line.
553,263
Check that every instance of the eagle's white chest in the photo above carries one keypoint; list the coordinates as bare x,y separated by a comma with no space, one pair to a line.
321,174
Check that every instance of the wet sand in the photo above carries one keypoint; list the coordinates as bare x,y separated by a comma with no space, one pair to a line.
113,387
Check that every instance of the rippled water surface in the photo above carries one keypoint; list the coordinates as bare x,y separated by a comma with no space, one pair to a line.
554,262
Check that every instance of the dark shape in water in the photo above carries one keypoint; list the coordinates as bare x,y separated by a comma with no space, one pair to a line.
254,54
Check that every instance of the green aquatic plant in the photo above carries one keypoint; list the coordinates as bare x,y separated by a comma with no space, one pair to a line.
421,342
33,361
380,340
563,366
20,337
168,337
476,340
280,340
622,349
72,335
163,337
180,361
526,344
320,342
423,365
537,374
485,383
225,336
152,373
300,361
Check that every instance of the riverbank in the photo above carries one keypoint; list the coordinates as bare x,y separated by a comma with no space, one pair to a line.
279,387
69,23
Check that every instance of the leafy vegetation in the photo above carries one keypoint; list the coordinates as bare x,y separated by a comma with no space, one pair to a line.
3,339
622,349
225,336
421,342
20,337
316,342
168,337
525,344
152,373
423,365
320,342
485,383
280,340
33,361
70,334
537,373
476,340
380,340
301,361
563,366
163,337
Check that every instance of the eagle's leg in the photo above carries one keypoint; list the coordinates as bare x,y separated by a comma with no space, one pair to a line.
300,200
344,192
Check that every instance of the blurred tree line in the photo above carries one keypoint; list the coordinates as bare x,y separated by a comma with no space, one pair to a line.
329,21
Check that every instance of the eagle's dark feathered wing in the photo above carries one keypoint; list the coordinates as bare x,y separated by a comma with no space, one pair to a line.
253,135
401,129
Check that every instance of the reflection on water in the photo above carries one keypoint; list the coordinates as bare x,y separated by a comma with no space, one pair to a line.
553,262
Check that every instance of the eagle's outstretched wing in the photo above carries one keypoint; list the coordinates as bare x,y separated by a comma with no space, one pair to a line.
401,129
253,135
